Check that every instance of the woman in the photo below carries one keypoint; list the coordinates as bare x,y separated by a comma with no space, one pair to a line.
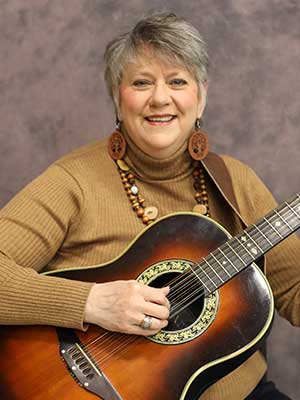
77,213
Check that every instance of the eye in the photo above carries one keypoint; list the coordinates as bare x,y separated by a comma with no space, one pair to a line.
178,82
141,83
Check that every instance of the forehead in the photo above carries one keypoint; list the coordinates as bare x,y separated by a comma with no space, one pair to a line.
147,65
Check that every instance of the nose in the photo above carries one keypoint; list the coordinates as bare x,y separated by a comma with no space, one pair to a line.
160,95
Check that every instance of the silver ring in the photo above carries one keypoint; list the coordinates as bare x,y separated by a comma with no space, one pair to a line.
147,322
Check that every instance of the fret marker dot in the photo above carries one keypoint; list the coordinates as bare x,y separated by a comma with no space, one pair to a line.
248,244
277,223
244,239
254,251
224,262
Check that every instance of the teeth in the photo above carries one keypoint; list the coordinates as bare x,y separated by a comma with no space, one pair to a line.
160,119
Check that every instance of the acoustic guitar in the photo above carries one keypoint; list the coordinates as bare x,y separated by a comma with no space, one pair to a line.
221,310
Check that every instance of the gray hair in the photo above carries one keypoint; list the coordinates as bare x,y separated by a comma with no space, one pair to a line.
167,35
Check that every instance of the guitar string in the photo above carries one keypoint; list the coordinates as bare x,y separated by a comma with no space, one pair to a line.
114,342
206,282
217,263
116,350
193,299
123,344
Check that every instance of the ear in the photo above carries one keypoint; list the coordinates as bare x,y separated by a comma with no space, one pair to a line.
117,108
202,98
117,102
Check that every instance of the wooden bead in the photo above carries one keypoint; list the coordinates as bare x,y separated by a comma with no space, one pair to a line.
200,209
140,212
122,165
145,219
150,213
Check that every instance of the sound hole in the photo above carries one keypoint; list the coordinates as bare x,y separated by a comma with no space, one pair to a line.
185,299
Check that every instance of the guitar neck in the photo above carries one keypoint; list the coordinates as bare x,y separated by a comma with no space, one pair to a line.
239,252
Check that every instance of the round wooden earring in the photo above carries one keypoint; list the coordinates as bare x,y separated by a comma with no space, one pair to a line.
198,145
117,145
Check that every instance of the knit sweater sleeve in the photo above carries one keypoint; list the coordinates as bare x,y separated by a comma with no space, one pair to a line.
33,226
282,262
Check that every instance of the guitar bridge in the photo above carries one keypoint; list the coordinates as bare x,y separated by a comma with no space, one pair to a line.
82,367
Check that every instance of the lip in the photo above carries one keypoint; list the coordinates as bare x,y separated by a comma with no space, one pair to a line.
160,123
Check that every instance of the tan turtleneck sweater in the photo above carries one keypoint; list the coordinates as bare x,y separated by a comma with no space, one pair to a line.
77,214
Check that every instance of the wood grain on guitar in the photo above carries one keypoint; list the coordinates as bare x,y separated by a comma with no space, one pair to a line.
221,310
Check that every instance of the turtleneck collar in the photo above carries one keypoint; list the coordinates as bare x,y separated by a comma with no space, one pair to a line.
149,168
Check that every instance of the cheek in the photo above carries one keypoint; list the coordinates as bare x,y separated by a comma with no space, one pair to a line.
129,101
189,102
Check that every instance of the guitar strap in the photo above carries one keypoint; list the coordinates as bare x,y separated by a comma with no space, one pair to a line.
218,172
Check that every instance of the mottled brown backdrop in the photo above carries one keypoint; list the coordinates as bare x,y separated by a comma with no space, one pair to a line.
53,98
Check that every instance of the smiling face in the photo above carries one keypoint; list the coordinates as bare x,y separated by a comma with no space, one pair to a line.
158,105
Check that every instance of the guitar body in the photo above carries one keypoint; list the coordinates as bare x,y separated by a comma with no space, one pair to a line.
174,365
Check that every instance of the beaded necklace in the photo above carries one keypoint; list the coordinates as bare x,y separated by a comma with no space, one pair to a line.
197,148
149,214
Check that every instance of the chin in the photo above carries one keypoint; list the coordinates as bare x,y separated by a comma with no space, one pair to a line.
161,142
161,149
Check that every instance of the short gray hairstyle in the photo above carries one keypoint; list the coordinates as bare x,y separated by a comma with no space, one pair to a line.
166,34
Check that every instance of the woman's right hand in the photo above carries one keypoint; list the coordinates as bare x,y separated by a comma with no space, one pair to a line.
121,306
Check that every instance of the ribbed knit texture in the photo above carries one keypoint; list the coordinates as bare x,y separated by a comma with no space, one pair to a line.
77,214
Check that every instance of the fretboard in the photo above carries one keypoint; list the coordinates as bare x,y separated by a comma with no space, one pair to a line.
239,252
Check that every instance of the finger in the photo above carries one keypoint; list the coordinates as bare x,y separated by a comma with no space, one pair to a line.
156,326
155,295
158,311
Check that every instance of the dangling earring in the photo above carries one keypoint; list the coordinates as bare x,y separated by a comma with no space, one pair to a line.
117,143
198,142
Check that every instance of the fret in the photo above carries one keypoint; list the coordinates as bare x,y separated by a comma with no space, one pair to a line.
283,220
215,272
292,209
274,229
227,260
264,236
232,249
267,232
240,249
221,265
290,215
241,239
238,253
253,249
198,277
206,274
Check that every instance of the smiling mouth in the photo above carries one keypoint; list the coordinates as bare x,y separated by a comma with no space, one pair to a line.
160,119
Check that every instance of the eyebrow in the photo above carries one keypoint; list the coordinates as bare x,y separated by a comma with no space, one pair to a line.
151,75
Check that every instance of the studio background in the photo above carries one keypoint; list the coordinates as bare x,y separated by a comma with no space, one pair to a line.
53,98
